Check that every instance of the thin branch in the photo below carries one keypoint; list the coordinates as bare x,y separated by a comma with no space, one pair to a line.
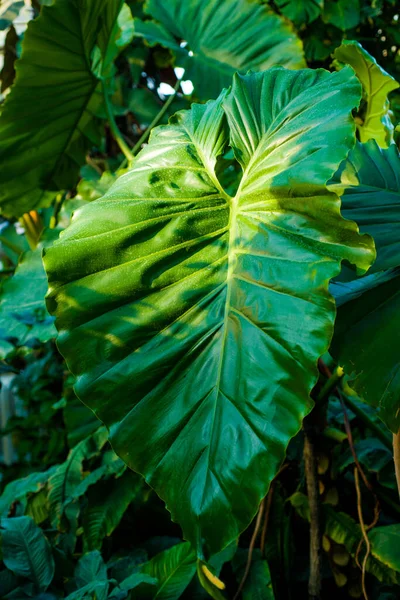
351,444
266,518
157,118
310,467
364,532
251,548
396,457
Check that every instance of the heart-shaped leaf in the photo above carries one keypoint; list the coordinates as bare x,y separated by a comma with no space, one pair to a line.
194,320
48,120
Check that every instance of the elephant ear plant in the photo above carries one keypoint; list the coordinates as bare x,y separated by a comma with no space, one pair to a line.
193,319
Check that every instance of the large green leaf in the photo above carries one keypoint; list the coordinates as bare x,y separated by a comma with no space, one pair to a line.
365,343
261,39
26,551
174,569
23,313
193,320
376,84
369,183
47,123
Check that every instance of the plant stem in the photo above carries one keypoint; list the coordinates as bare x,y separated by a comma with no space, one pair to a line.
396,457
33,226
330,384
363,530
114,127
310,466
157,118
251,548
368,422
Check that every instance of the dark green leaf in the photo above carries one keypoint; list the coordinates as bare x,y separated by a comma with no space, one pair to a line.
107,503
300,12
365,343
47,123
258,585
173,299
90,578
144,582
26,551
23,313
173,569
383,562
70,474
262,39
18,490
342,13
369,183
374,115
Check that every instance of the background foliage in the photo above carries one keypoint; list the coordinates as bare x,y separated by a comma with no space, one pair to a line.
92,79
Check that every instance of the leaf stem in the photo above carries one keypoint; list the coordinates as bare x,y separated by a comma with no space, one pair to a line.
33,227
114,127
330,384
396,457
157,118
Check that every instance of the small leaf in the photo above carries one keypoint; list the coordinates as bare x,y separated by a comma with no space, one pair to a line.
26,551
19,489
23,312
90,578
342,13
376,84
300,12
69,475
208,581
107,503
173,569
134,581
258,585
